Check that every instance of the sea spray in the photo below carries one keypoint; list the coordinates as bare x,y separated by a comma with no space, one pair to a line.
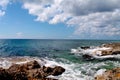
74,71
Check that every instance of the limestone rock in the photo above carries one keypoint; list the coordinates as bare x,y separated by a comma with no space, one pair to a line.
113,74
30,71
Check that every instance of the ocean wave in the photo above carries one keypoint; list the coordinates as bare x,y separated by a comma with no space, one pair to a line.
96,52
74,71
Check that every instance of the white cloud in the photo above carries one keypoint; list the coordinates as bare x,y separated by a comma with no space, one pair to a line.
105,23
19,34
3,5
89,17
2,13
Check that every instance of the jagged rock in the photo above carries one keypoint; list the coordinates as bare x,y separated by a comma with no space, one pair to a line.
32,65
114,49
18,75
105,51
29,71
4,75
113,74
87,57
37,73
57,71
115,52
86,47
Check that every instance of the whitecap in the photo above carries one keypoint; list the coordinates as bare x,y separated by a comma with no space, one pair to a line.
74,71
95,52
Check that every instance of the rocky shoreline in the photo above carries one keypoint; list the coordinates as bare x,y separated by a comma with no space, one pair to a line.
109,51
113,74
105,51
30,71
114,49
33,69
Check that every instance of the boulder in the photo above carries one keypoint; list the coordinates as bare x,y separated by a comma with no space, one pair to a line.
86,47
58,70
30,71
87,57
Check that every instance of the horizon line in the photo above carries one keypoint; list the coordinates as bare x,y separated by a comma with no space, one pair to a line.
58,39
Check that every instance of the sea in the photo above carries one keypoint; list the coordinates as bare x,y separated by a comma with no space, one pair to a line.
52,52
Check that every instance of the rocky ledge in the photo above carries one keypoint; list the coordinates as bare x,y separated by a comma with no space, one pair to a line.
113,49
30,71
104,51
113,74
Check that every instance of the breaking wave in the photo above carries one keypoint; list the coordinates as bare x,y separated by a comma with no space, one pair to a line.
95,52
74,71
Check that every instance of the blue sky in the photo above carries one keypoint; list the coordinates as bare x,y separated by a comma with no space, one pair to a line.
52,19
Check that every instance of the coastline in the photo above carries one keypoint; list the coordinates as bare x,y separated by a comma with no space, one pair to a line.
55,53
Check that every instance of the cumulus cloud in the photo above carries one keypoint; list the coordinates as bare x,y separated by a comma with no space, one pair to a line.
105,23
89,17
2,13
3,5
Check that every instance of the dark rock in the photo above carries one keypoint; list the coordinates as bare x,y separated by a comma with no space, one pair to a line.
87,57
58,71
47,70
37,73
115,52
4,75
86,47
16,67
32,65
18,75
24,67
30,71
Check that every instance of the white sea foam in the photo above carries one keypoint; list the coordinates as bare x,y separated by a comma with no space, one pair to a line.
84,71
100,72
5,64
95,52
74,71
90,50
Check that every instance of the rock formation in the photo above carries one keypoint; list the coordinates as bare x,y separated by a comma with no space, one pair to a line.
113,74
103,51
30,71
114,49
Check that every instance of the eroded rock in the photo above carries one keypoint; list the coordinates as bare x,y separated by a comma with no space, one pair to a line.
30,71
105,51
113,74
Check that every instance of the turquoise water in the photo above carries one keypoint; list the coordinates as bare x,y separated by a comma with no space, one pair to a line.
58,51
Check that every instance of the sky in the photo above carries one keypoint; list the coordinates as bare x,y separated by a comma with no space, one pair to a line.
60,19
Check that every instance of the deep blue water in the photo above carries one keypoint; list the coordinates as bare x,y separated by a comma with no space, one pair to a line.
44,47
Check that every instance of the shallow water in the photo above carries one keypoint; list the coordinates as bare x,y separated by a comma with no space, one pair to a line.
55,52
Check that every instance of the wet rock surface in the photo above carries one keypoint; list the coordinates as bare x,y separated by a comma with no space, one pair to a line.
114,48
103,50
30,71
113,74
